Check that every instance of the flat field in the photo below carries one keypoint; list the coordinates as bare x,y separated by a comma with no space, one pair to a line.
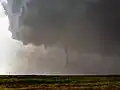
61,82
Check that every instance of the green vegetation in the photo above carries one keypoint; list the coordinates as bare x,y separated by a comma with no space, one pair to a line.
60,81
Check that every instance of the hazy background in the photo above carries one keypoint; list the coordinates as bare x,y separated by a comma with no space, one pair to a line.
15,58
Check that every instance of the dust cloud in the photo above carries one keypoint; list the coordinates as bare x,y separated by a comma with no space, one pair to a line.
38,60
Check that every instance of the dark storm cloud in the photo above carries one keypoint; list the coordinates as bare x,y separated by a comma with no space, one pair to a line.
58,21
85,25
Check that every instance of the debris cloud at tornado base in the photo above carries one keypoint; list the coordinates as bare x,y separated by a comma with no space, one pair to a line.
38,60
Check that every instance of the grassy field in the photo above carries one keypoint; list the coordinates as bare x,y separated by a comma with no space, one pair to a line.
83,82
